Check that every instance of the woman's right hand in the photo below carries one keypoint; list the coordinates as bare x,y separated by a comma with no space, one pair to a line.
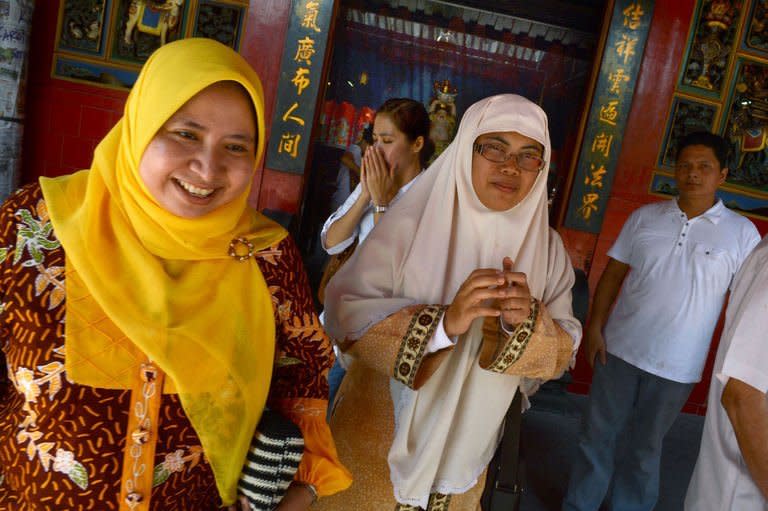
365,193
468,304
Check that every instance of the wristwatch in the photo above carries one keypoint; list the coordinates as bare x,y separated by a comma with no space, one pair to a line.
380,209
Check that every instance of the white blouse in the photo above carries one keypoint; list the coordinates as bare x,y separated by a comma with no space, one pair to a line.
366,222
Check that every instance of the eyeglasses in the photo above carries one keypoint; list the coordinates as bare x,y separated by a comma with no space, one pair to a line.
530,162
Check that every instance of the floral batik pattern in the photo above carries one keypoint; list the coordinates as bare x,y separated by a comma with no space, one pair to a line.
304,353
35,241
62,444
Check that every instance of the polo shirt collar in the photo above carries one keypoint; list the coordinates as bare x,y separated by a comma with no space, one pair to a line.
713,214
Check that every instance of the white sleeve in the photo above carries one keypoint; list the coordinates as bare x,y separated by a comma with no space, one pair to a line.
440,339
750,237
746,358
622,247
339,247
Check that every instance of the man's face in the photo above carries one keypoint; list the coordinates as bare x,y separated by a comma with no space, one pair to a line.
698,173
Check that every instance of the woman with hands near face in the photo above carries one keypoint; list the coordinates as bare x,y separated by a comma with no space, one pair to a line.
379,180
401,148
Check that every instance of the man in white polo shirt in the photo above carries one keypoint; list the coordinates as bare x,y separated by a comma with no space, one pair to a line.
679,258
732,470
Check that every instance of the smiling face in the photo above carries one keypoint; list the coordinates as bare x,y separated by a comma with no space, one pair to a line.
501,186
399,152
203,157
698,173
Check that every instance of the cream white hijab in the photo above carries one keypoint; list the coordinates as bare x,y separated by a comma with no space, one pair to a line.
422,250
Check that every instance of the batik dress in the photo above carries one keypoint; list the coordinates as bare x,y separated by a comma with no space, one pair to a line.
62,444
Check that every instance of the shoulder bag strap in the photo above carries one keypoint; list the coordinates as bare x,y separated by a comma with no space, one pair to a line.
507,487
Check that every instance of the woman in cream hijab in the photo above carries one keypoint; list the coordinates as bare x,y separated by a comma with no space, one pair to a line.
187,312
459,298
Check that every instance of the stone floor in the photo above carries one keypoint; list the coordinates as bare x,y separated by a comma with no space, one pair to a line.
549,433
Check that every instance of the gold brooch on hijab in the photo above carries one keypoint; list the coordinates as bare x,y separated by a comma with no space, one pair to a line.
241,249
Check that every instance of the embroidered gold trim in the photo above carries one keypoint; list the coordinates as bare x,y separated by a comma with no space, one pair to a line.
438,502
139,454
516,342
414,344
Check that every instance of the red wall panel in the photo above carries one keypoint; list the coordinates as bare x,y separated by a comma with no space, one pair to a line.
64,120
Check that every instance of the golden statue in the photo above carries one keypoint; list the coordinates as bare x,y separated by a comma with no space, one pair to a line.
718,18
167,14
442,115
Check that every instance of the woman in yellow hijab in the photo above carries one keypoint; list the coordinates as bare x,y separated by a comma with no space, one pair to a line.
187,312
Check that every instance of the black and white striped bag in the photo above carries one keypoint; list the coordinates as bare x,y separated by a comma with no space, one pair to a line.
271,462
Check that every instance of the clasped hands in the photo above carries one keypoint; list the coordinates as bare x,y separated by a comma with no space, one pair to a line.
489,292
377,178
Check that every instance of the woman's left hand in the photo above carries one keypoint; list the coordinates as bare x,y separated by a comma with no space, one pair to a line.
517,305
241,505
297,498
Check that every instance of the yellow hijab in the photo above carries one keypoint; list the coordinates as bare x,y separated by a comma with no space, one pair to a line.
142,282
